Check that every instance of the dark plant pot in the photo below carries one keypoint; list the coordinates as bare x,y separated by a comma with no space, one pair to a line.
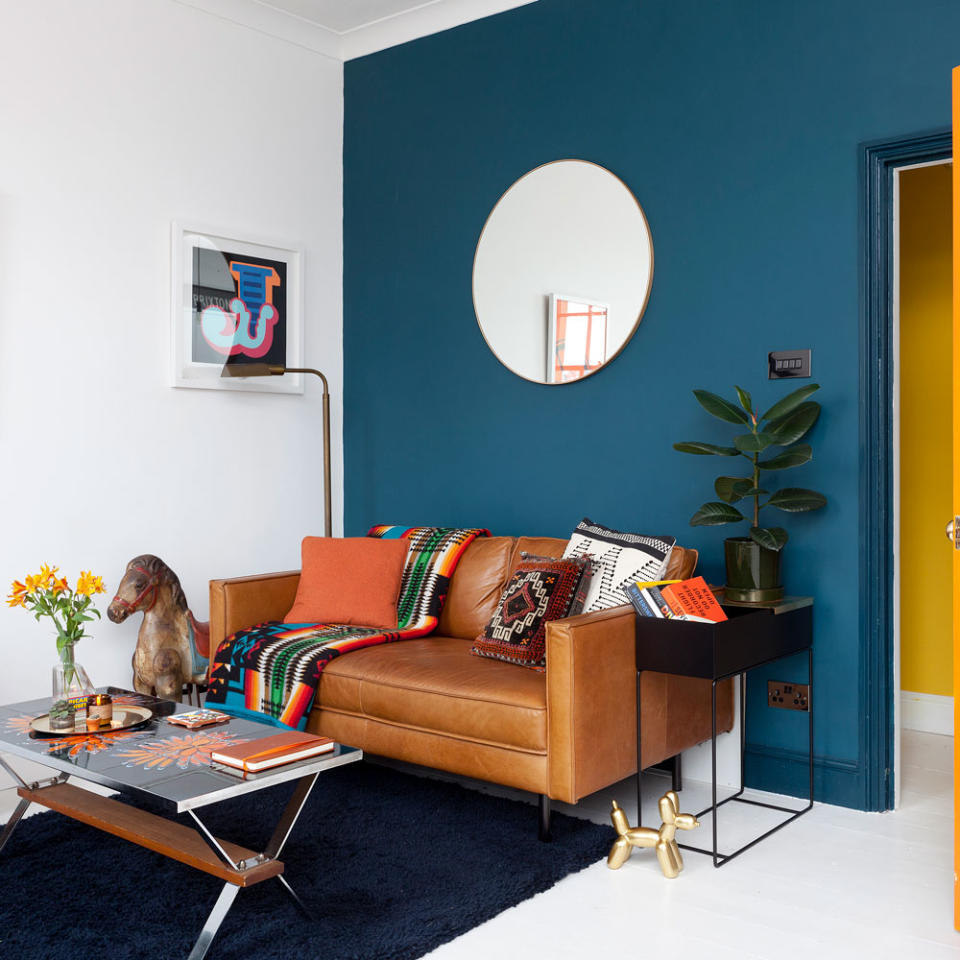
753,572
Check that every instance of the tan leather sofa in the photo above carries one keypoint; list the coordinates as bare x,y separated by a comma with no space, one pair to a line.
562,734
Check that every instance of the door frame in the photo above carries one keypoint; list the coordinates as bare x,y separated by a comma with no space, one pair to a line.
878,161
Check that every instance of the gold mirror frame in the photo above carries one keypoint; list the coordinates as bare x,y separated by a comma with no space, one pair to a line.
643,306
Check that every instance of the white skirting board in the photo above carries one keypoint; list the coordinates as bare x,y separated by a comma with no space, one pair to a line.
926,712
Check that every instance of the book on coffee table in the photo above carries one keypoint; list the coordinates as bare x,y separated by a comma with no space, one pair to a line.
275,751
195,719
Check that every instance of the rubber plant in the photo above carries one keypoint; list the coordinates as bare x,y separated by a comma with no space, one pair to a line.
783,426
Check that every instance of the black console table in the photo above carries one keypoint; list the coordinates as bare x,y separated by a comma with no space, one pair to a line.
752,636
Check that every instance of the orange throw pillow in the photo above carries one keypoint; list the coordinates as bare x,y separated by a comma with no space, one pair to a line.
353,580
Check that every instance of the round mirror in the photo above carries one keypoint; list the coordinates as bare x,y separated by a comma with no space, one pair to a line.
562,272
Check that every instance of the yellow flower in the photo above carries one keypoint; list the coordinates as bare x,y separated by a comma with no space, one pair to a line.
18,594
34,583
47,574
60,586
88,584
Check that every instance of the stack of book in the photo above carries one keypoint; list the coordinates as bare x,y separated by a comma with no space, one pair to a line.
268,753
676,600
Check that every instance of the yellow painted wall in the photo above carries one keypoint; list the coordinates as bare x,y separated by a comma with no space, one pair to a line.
926,650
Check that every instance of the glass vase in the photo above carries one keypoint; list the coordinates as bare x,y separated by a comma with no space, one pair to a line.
70,681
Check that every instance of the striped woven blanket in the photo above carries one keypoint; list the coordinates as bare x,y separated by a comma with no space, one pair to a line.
271,671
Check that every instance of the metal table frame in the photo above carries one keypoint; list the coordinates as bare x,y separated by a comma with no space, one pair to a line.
240,873
719,652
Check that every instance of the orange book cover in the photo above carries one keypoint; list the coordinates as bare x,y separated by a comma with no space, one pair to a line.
693,598
272,751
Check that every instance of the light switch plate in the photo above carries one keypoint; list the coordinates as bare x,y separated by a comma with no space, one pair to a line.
788,363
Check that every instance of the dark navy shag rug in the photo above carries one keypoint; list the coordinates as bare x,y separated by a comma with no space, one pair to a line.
391,864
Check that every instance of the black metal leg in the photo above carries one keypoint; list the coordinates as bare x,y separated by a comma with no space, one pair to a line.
713,764
676,772
544,832
743,731
810,714
639,756
719,859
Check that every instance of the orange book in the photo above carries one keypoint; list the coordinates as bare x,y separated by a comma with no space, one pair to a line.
693,598
281,748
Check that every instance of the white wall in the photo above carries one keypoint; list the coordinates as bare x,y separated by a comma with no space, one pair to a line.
119,117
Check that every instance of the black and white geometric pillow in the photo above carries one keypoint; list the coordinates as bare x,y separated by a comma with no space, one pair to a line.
618,558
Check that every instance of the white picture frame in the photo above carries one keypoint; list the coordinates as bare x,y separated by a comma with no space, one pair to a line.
234,300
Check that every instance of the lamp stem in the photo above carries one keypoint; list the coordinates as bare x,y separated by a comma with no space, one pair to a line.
327,513
327,509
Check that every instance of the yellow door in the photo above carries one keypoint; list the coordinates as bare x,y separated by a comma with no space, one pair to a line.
956,498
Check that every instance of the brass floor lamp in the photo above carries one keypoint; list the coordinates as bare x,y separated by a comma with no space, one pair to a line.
273,370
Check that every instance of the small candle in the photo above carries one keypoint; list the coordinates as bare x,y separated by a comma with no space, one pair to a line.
99,711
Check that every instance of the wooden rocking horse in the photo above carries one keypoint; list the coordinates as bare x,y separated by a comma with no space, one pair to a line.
173,647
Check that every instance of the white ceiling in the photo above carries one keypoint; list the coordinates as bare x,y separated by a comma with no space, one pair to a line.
344,29
343,16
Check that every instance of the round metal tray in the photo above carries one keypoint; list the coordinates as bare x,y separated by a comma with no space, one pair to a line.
124,718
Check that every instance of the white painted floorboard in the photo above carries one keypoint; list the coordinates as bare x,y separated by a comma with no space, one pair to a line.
837,883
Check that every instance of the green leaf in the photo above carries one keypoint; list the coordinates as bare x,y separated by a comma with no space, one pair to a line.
788,458
773,538
745,400
794,425
732,489
713,514
753,442
791,400
720,408
796,500
696,446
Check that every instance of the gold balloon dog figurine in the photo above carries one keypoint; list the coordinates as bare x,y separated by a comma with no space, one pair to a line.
664,839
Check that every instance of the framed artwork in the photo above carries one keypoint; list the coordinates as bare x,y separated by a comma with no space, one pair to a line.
235,301
576,337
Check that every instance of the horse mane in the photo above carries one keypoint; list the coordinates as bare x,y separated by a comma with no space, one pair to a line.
156,567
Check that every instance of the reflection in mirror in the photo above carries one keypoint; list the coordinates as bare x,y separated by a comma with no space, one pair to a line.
576,338
562,272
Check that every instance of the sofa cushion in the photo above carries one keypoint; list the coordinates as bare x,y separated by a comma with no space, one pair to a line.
620,557
353,580
434,684
541,589
489,562
475,587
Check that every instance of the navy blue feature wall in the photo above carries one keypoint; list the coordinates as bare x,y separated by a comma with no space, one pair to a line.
737,125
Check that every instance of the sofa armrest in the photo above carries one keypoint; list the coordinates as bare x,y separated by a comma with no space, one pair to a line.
591,702
592,705
241,602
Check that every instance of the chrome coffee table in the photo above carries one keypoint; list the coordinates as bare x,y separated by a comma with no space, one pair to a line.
168,764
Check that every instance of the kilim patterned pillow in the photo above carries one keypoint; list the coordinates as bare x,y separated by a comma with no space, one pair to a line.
541,589
618,557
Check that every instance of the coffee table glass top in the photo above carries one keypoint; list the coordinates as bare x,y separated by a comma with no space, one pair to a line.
164,761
